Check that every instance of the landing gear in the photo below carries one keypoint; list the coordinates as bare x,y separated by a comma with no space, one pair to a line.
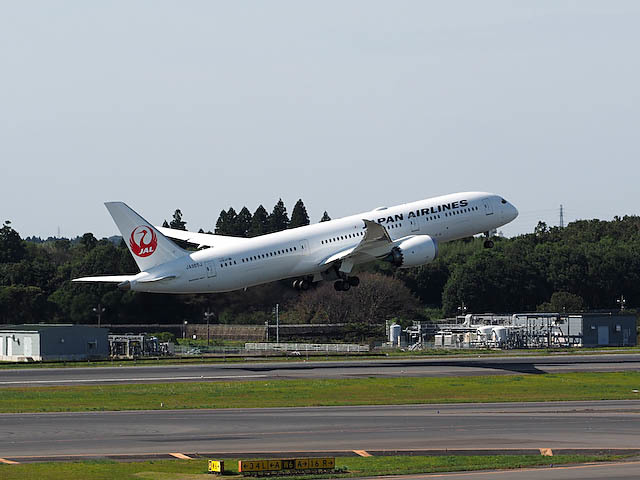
488,243
302,284
344,285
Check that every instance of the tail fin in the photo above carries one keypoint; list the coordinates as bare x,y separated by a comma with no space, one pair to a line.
148,246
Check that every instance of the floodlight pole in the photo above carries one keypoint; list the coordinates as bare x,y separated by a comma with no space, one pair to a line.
99,310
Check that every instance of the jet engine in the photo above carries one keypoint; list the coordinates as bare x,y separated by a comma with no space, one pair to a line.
413,251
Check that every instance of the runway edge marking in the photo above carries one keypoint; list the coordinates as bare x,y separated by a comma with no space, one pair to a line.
181,456
362,453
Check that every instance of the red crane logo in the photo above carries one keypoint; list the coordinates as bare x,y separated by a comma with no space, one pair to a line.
143,241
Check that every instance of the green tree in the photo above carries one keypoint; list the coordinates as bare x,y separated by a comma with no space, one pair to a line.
243,223
12,248
278,220
177,223
325,217
259,222
226,224
563,302
88,241
299,216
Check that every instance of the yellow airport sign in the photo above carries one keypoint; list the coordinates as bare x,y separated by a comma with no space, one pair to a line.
216,466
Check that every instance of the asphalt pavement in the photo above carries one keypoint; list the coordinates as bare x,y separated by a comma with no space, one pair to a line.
599,471
503,427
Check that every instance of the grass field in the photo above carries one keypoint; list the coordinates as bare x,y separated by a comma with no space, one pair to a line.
354,466
303,393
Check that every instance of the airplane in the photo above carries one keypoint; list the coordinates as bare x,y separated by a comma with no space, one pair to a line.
406,235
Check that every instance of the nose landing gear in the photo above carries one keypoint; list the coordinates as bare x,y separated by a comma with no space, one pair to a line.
488,243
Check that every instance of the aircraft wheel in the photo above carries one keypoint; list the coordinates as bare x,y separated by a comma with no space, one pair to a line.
304,285
345,286
354,281
338,286
488,244
296,284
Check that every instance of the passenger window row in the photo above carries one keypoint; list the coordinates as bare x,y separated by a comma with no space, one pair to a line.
460,212
342,237
260,256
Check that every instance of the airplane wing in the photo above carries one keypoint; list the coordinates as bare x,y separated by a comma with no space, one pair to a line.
200,239
375,243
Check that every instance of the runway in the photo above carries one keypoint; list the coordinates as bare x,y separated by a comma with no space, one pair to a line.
502,426
610,471
430,367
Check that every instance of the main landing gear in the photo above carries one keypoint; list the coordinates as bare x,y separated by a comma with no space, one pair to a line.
345,284
302,284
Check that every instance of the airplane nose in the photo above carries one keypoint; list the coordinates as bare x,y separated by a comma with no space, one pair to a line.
512,212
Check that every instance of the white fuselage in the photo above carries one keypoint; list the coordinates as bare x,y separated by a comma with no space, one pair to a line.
301,251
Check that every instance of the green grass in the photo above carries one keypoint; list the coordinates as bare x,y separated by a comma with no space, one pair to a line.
303,393
354,466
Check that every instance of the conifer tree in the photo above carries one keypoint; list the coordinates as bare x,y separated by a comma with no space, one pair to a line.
227,223
243,222
278,220
177,223
299,216
325,217
259,222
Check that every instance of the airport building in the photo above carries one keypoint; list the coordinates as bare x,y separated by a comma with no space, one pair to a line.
524,330
34,343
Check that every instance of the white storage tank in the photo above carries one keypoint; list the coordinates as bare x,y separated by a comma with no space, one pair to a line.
395,331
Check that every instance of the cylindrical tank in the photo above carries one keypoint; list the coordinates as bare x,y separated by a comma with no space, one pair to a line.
394,334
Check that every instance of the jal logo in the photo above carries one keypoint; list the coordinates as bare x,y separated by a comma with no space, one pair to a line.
143,241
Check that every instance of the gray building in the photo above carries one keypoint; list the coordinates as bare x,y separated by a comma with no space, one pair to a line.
609,330
34,343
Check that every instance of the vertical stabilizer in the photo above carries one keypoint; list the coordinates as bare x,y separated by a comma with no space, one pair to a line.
148,246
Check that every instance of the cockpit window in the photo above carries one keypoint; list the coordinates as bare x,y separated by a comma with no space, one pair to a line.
503,200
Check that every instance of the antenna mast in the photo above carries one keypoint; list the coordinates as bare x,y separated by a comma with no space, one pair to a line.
561,217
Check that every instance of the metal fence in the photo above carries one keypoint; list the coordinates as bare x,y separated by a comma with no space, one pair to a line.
307,347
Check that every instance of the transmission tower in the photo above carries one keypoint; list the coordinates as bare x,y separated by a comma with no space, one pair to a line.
561,217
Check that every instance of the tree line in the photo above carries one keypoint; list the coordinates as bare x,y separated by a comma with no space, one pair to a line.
587,265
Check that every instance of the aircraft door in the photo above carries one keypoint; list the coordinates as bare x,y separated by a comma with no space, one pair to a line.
415,225
211,268
488,208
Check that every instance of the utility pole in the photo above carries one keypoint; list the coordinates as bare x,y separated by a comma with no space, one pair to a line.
99,310
621,301
561,217
208,314
276,311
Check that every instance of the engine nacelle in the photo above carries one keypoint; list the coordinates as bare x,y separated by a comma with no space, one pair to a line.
413,252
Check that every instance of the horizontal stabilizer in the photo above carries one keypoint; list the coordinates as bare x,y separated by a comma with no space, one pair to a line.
106,278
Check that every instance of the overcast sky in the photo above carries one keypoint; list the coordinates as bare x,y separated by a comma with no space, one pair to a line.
348,105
